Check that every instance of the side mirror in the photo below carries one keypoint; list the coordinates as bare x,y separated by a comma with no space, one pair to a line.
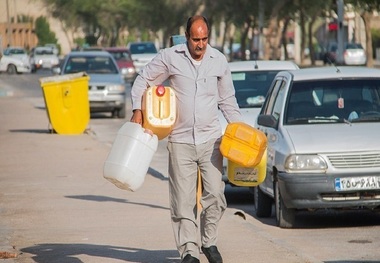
267,121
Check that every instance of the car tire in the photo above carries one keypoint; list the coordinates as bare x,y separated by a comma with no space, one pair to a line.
11,69
121,112
285,217
263,203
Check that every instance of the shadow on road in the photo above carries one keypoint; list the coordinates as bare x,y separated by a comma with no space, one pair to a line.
98,198
69,253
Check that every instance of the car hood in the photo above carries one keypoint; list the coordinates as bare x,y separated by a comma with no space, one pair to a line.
105,78
143,57
334,137
124,64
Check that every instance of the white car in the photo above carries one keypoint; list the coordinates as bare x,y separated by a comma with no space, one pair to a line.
142,53
322,126
251,80
15,60
43,57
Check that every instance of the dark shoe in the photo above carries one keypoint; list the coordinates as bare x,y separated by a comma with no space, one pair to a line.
212,254
190,259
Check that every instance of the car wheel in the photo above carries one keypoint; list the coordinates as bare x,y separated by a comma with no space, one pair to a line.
285,217
263,203
11,69
121,112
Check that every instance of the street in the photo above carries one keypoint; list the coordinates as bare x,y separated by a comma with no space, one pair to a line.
56,207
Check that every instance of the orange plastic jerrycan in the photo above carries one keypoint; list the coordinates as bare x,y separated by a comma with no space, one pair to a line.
243,144
159,110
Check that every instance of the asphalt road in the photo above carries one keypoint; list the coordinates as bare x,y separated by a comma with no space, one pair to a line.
81,218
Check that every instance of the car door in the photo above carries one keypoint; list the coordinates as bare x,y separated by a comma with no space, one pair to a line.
273,108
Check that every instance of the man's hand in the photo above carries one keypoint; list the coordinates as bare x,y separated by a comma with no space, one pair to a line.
137,117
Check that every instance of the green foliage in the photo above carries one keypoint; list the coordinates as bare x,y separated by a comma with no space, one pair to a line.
43,32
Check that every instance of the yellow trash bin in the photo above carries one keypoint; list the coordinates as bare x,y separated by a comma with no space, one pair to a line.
67,104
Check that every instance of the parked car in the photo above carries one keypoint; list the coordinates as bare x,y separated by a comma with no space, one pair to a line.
141,53
124,61
322,126
107,91
353,54
251,80
43,57
15,60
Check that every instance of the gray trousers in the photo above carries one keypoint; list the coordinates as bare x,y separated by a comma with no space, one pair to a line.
184,162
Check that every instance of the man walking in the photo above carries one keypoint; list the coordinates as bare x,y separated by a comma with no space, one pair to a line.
202,82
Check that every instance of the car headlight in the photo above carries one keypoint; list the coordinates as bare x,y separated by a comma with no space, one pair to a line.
120,88
305,163
126,71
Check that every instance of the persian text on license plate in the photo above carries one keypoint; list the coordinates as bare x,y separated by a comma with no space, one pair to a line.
357,183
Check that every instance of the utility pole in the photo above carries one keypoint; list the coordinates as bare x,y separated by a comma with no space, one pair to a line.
9,33
260,52
340,5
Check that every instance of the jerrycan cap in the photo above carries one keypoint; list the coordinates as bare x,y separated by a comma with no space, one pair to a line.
160,90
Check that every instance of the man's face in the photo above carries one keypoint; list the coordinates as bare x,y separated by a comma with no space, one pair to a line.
197,39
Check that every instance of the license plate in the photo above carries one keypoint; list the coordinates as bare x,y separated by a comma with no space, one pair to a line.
96,96
357,183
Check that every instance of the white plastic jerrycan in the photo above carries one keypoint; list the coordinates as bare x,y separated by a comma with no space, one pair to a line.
130,156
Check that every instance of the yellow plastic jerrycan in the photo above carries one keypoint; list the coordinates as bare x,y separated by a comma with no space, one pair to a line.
247,176
159,110
243,144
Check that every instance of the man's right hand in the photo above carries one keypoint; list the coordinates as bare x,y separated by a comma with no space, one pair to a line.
137,117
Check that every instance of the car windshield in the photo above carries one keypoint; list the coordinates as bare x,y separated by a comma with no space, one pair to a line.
91,64
251,87
353,46
14,51
47,51
142,48
332,101
120,55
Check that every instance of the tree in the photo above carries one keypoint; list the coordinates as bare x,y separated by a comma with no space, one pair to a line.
43,32
366,10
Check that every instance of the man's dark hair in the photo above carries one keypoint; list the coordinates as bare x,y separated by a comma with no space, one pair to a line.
192,19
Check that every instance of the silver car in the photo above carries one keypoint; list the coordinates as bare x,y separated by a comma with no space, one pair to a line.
322,126
251,81
107,91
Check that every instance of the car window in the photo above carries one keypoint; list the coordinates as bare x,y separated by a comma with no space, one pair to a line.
272,95
44,52
121,55
141,48
353,46
14,51
251,87
334,101
91,64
